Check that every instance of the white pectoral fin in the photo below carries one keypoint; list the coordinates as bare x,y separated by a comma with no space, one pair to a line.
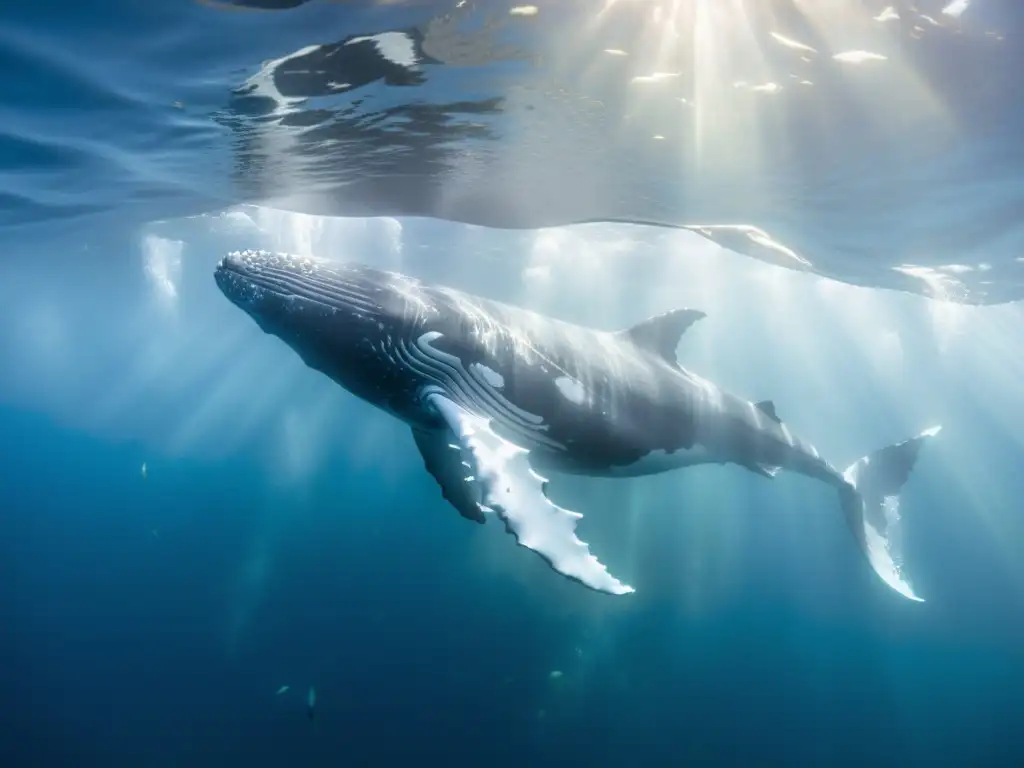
511,488
443,459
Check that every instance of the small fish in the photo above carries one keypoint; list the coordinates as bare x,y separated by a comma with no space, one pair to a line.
555,674
281,690
311,703
144,471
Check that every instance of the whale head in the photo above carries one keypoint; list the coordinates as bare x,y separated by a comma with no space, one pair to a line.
342,319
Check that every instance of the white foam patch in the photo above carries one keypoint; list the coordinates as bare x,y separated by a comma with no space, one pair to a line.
329,237
237,220
571,390
161,260
489,375
393,236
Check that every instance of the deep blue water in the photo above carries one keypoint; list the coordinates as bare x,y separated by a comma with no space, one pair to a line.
124,649
286,534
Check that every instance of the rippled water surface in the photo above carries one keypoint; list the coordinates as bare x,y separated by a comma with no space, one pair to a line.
873,142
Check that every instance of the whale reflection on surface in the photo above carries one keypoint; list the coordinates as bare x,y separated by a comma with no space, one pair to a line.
876,143
835,137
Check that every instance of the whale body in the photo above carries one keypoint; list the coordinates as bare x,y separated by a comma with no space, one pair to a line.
495,395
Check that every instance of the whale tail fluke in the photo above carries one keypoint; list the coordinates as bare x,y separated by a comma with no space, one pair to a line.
871,505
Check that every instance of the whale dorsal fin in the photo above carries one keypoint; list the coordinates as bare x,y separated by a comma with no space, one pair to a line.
661,334
767,407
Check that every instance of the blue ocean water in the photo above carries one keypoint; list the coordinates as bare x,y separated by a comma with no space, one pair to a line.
190,519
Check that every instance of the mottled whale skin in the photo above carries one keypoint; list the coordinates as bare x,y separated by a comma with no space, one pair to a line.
494,393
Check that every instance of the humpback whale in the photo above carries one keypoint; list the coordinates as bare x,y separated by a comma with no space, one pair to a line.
496,395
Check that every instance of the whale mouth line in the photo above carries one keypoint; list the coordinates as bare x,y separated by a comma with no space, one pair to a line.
240,277
245,287
229,269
